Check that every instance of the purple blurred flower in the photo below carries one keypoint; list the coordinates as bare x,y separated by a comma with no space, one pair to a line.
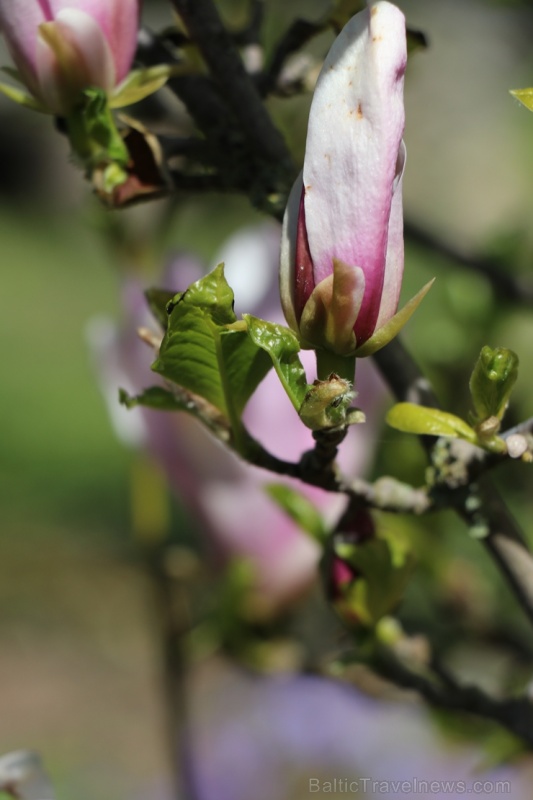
265,738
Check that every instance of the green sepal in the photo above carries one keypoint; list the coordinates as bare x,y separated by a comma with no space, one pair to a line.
525,96
95,140
140,83
380,582
492,382
22,98
421,420
387,332
208,353
299,509
283,347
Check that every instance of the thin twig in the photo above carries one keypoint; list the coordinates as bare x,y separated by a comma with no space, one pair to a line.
502,537
203,23
515,714
316,468
509,286
297,35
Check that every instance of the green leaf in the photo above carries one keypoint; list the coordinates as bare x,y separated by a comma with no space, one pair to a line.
207,352
380,584
154,397
492,382
387,332
158,300
525,96
299,508
282,347
140,83
411,418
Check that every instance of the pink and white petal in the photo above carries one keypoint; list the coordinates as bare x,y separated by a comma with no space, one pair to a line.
248,525
329,315
19,22
355,127
119,21
87,62
287,274
394,260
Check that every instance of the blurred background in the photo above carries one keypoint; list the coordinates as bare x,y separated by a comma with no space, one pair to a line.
80,666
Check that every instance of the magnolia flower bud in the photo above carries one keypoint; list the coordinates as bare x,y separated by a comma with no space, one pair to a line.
61,48
342,242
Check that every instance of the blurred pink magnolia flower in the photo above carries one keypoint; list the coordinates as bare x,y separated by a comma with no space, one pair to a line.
61,47
342,247
226,495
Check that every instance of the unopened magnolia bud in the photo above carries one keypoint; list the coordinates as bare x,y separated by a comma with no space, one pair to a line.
342,243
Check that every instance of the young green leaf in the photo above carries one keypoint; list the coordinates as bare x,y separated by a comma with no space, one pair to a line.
421,420
282,347
525,96
299,508
207,352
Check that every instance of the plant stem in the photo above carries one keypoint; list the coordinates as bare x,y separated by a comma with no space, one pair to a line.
504,541
328,362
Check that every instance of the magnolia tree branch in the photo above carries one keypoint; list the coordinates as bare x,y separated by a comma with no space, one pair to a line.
490,517
317,468
515,714
511,287
203,23
296,36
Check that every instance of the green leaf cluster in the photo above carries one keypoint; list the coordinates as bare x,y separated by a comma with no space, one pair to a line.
208,353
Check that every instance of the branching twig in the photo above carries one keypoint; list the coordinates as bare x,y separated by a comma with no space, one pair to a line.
503,539
515,714
316,468
297,35
205,27
509,286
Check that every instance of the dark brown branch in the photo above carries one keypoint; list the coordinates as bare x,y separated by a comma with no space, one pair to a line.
503,539
317,468
505,542
515,714
207,31
509,286
297,35
261,169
